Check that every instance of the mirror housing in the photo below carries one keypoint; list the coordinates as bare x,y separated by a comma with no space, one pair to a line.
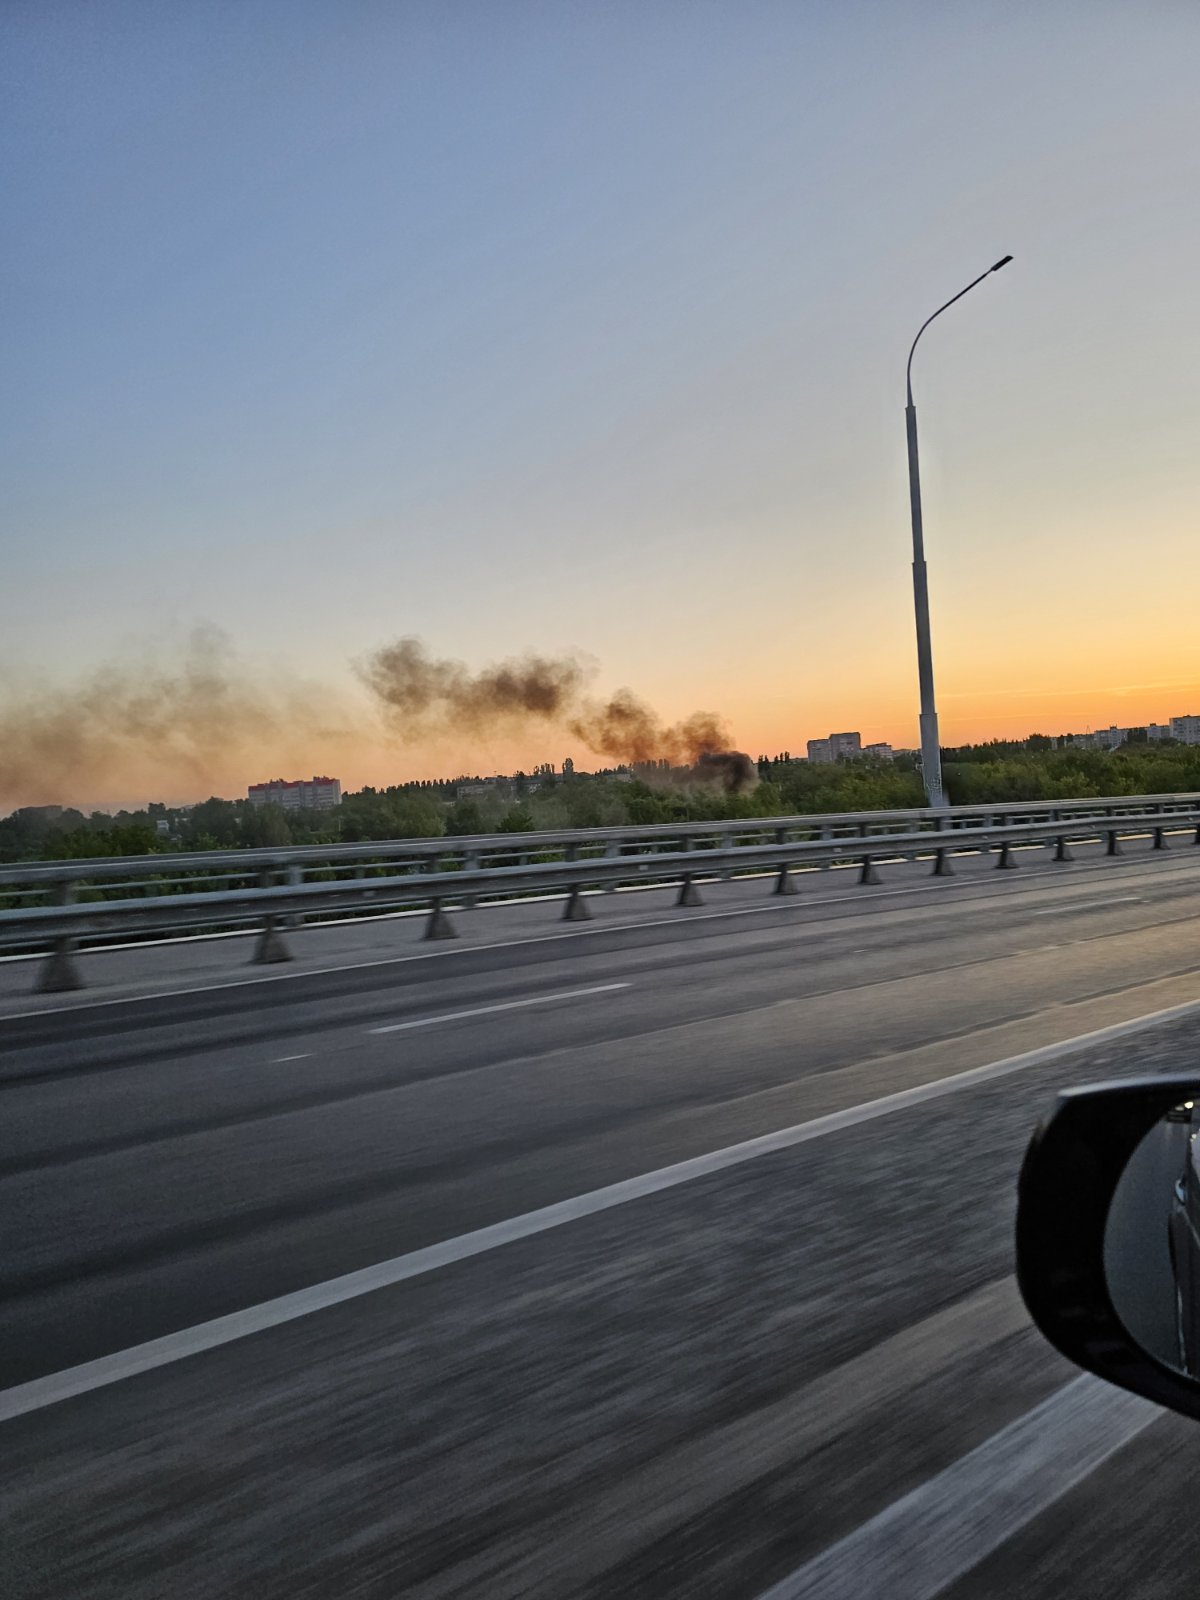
1071,1171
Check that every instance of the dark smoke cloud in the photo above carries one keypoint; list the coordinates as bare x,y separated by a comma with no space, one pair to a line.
626,729
202,724
424,695
732,769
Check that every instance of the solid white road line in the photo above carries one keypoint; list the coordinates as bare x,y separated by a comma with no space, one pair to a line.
56,1386
925,1541
504,1005
1088,905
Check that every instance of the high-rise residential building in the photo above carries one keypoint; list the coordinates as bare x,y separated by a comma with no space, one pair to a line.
883,751
836,746
305,794
1186,729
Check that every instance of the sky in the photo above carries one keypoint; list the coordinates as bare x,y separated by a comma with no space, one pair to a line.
581,329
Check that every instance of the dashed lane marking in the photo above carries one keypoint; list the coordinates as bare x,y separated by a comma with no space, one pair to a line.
503,1005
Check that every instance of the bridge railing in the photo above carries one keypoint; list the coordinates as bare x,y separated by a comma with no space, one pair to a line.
179,870
66,905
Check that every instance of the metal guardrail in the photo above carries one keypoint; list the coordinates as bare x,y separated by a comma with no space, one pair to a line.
452,853
271,906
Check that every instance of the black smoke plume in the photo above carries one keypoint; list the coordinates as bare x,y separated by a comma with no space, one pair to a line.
424,695
732,769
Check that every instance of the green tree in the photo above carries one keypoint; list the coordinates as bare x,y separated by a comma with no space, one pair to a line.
393,814
213,819
265,826
464,817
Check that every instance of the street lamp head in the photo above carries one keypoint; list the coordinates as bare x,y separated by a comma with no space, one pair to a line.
1003,262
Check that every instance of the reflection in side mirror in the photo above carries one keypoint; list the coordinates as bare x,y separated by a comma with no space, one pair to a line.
1152,1242
1108,1234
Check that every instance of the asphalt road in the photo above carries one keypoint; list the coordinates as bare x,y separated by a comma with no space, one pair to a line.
799,1364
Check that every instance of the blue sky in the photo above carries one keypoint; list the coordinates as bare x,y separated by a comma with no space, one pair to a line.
583,327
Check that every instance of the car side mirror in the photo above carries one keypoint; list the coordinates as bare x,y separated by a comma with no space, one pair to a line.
1108,1235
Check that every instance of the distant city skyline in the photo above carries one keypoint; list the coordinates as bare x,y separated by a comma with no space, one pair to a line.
315,791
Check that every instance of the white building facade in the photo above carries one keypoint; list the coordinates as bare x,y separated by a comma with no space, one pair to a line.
305,794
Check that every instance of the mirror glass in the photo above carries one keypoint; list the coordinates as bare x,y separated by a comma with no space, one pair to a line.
1152,1242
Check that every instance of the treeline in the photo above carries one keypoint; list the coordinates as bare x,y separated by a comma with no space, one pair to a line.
973,775
978,774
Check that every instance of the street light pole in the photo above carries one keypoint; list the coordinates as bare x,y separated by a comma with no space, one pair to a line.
931,749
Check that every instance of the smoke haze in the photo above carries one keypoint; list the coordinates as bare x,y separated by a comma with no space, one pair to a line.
165,731
210,723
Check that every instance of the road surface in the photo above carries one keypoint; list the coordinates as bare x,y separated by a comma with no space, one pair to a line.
692,1233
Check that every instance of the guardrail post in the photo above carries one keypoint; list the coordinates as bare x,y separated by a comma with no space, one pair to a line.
867,873
470,864
726,873
688,894
271,945
61,970
612,848
439,925
942,866
785,883
295,877
1114,844
1064,851
1160,839
1006,858
576,908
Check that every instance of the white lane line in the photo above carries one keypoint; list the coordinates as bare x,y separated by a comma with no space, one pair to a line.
56,1386
504,1005
925,1541
1088,905
279,1060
